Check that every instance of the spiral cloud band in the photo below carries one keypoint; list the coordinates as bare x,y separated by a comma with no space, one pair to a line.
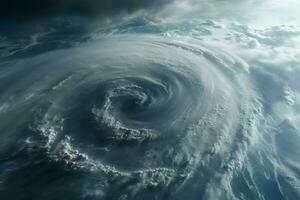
160,114
148,103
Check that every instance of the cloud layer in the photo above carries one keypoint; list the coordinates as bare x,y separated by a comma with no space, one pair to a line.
29,9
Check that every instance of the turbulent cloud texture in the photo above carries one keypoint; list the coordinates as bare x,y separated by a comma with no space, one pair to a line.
179,99
254,11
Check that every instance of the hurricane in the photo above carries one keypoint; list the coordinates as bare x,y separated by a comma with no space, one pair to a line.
149,110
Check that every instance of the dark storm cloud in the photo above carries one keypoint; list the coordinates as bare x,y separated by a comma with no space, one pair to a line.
30,9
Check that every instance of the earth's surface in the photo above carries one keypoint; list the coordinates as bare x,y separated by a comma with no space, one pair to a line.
175,100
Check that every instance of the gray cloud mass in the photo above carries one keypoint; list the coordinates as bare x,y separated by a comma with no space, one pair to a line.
31,9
